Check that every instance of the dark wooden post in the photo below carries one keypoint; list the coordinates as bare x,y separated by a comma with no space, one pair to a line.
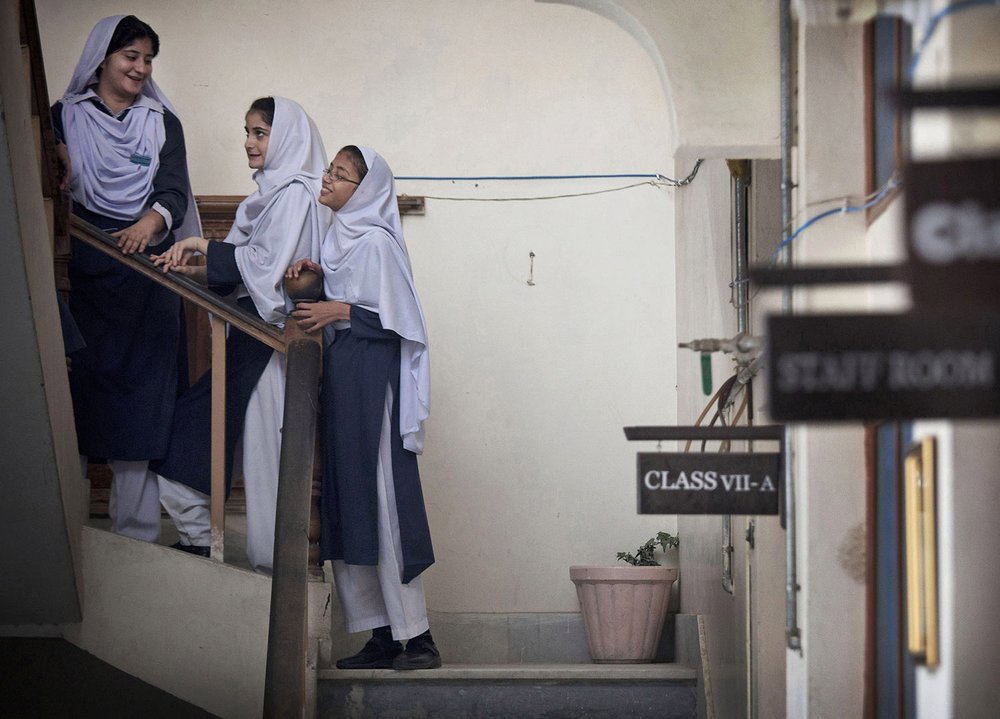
284,688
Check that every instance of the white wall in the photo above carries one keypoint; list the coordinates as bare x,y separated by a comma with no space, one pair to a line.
826,679
964,684
194,628
703,242
719,63
526,470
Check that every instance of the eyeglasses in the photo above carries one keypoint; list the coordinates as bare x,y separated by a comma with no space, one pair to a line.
338,177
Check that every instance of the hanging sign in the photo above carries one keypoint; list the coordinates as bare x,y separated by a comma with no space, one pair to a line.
708,483
953,232
907,366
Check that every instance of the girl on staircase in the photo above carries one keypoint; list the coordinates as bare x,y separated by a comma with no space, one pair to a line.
374,401
124,165
279,222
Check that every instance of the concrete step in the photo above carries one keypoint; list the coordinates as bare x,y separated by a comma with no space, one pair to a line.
514,691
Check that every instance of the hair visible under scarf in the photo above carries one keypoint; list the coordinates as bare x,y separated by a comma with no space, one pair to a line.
357,159
265,106
131,28
102,181
277,225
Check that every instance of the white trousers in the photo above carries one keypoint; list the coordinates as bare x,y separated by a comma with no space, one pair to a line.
376,596
191,510
134,502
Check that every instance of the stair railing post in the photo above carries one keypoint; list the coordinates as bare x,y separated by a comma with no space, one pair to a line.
285,675
218,456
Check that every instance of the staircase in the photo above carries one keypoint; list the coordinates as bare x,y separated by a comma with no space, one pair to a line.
517,666
197,629
517,691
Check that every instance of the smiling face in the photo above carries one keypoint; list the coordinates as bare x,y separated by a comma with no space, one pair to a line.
124,72
258,136
340,180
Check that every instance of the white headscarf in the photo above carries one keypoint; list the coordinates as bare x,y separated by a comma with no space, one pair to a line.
365,263
106,179
277,225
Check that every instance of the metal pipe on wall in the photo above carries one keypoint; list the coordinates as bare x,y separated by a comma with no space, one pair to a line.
740,171
792,633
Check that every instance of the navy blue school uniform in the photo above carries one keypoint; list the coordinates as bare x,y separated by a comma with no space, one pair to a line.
124,380
358,366
188,457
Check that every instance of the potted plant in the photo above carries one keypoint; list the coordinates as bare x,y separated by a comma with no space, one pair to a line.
624,606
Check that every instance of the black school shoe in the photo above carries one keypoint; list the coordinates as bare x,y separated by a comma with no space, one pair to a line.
420,653
192,549
378,653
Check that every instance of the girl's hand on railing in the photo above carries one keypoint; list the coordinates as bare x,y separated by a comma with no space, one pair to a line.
175,259
135,237
293,271
314,316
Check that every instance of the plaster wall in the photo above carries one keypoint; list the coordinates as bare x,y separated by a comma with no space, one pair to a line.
704,311
964,683
526,469
138,601
744,629
719,61
826,678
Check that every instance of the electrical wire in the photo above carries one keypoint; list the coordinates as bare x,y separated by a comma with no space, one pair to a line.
932,25
723,398
894,181
708,406
652,179
540,197
841,200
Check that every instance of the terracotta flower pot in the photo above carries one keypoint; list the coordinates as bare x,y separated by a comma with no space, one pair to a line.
623,610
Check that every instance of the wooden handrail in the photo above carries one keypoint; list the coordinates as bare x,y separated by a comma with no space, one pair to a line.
284,693
222,311
187,288
285,690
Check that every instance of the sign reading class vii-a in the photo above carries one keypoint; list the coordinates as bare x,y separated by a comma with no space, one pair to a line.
708,483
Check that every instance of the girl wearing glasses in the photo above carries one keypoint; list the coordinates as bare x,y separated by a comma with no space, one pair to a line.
375,399
276,224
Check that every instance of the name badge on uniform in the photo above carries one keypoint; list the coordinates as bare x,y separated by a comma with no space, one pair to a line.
138,159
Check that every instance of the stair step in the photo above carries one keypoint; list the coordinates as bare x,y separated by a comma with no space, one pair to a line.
524,691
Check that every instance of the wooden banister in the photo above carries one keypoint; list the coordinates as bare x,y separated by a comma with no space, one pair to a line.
286,639
187,288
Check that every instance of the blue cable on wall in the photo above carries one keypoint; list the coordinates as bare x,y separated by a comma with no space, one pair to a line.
893,182
483,178
932,26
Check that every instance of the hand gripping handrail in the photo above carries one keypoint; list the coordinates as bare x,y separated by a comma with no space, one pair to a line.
187,288
285,676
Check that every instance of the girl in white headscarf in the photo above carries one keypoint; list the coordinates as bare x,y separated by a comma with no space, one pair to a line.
123,156
375,399
279,222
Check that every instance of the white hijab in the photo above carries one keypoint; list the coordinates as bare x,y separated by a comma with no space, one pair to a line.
272,231
365,262
106,179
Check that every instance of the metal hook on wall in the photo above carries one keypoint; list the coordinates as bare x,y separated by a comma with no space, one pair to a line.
531,269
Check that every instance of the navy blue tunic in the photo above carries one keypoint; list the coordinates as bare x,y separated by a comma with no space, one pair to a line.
358,366
124,380
189,457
